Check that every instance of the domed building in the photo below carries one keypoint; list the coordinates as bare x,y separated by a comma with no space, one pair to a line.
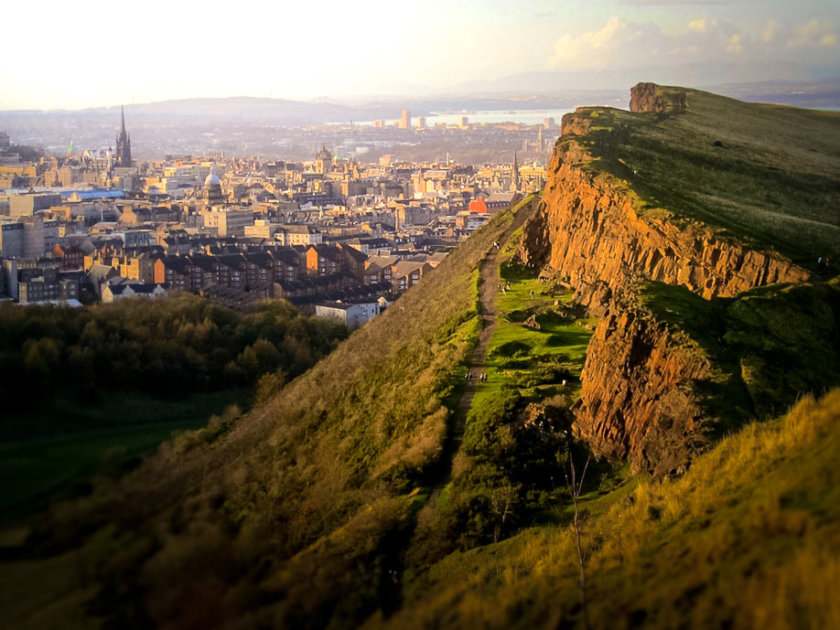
213,189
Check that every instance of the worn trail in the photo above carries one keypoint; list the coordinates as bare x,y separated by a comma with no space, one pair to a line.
390,593
488,288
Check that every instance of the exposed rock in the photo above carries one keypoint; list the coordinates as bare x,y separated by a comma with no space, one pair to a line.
637,400
649,97
588,231
573,124
532,322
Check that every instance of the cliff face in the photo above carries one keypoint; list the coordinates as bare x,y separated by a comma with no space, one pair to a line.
637,399
589,232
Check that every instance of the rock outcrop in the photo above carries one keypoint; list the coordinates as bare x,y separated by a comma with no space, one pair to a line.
637,399
649,97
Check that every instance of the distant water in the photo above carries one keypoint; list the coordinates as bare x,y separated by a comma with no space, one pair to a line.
520,116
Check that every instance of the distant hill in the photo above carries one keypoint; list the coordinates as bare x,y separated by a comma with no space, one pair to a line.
291,112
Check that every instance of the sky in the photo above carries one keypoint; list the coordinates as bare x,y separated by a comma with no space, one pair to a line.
92,53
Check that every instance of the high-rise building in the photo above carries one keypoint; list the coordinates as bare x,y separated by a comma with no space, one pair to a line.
405,119
123,152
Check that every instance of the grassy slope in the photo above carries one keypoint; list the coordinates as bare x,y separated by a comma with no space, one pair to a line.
512,452
702,541
516,351
775,181
298,514
290,517
748,538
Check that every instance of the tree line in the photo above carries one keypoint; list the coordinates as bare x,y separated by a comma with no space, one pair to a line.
166,347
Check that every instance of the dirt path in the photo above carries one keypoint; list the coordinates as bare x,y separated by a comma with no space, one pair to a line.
390,586
488,288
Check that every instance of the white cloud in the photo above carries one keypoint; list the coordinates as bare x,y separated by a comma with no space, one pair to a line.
735,44
701,25
812,34
594,48
619,43
771,32
622,43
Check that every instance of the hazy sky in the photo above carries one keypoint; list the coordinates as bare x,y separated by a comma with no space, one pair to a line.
60,54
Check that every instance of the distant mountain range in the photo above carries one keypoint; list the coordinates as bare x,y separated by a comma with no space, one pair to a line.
294,113
535,90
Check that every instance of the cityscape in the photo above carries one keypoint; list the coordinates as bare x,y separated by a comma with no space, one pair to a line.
98,225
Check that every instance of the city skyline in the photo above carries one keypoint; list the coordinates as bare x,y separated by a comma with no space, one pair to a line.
169,51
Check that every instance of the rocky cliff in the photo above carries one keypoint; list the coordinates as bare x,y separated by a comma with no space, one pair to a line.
638,401
589,232
638,398
649,97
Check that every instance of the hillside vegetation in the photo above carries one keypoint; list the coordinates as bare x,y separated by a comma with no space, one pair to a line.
89,390
767,346
162,347
747,538
295,513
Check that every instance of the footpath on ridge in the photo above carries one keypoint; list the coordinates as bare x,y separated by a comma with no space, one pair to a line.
390,593
488,288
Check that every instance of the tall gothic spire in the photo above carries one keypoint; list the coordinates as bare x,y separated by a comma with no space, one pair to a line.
123,152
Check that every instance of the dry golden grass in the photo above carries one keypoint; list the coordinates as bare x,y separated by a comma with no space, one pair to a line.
749,537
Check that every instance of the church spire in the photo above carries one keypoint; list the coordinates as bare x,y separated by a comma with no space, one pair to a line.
123,152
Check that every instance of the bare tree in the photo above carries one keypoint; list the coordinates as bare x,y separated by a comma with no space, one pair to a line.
502,501
575,486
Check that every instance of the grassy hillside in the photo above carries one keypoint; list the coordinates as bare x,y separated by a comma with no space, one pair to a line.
108,438
767,174
767,346
90,390
508,468
748,538
296,513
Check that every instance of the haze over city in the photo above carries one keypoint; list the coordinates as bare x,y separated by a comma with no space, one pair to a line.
163,50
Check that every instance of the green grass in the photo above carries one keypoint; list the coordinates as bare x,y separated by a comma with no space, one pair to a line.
768,175
535,355
302,504
75,442
533,360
